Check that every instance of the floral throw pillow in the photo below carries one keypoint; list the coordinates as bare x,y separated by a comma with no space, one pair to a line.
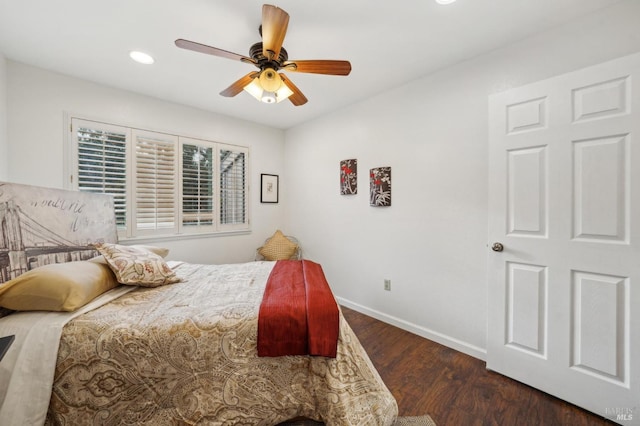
137,266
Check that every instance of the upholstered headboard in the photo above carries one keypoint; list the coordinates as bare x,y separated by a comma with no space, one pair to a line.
39,226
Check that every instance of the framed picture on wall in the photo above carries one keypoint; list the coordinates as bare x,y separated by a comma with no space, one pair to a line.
268,188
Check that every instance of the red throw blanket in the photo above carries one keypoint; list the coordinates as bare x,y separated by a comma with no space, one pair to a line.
298,314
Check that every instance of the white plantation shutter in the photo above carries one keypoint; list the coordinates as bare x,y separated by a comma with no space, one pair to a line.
102,163
233,187
197,184
162,184
155,181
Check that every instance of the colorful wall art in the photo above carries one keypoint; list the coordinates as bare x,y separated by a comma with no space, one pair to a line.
349,177
380,187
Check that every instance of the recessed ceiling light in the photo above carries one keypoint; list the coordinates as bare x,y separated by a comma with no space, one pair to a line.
445,1
141,57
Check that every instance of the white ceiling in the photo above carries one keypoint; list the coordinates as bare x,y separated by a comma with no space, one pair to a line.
388,43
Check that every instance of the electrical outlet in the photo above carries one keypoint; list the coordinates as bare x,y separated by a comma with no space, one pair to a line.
387,285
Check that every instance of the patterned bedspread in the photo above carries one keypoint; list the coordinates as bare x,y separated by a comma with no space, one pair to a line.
186,354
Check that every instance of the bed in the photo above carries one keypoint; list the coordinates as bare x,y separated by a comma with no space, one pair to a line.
181,353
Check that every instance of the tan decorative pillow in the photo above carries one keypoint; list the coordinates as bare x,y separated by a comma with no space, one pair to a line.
160,251
57,287
278,247
137,266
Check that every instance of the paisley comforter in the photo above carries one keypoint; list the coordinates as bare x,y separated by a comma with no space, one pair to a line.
186,354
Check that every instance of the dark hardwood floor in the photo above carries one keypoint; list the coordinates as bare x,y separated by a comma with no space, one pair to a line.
453,388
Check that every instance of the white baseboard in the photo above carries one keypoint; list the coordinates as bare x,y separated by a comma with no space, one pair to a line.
445,340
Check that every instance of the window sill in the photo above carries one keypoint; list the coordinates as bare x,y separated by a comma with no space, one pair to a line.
177,237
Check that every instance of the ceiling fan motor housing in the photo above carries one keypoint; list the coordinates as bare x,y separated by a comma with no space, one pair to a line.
255,52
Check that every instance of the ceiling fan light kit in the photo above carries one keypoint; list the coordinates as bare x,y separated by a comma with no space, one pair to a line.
270,80
267,85
259,92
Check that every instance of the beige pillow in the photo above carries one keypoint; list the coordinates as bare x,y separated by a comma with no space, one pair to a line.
278,247
160,251
57,287
137,266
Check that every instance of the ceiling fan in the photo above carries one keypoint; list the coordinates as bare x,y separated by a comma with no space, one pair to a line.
267,84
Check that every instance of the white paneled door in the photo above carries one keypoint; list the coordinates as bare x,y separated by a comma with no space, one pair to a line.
564,278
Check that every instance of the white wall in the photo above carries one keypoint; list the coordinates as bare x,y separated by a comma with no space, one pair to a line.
38,100
432,241
4,161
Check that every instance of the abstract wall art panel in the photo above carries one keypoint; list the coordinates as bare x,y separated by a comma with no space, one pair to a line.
380,187
349,177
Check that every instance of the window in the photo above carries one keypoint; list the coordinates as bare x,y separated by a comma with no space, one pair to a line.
103,165
197,185
155,188
232,187
162,184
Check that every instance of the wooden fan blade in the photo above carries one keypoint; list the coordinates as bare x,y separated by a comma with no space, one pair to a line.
274,28
297,98
319,66
203,48
237,87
